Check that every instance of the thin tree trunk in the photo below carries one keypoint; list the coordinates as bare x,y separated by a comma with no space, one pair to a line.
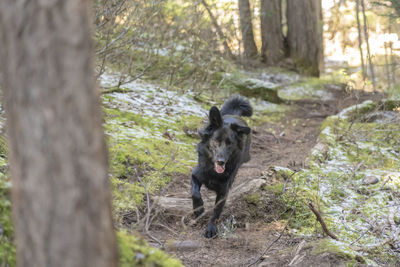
371,66
246,27
392,58
304,20
272,50
60,193
221,35
392,63
387,66
360,38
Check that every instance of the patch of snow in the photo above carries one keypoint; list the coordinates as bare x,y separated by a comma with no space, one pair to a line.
347,112
150,100
304,92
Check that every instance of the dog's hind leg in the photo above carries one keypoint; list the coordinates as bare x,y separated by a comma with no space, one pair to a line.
212,229
198,207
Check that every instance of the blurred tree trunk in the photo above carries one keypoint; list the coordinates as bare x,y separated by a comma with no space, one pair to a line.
304,19
272,50
60,193
360,38
371,66
246,27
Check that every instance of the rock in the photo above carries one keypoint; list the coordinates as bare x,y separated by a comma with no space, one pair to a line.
357,111
335,87
252,87
304,91
185,245
369,180
174,205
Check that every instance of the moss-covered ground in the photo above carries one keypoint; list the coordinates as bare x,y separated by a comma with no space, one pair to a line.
353,178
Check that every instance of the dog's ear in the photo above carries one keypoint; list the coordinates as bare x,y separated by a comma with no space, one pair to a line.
240,129
215,118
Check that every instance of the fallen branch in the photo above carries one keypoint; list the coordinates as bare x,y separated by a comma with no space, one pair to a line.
297,258
322,222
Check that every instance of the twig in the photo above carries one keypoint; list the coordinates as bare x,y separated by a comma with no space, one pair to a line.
392,238
273,242
385,182
287,179
147,225
322,222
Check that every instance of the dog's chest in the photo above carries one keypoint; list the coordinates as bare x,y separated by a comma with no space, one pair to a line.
215,182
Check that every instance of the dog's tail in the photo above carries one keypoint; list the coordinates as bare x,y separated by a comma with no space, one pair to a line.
237,105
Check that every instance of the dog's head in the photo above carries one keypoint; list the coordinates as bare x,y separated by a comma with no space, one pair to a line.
223,139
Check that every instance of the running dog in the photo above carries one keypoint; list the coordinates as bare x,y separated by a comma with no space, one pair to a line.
224,147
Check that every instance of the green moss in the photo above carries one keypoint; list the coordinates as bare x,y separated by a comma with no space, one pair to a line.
295,199
253,198
251,87
276,189
3,147
153,149
7,248
126,195
134,251
307,68
337,249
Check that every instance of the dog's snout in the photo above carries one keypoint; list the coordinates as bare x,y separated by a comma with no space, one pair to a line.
221,162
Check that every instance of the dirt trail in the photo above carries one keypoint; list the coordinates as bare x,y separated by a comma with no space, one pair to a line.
287,144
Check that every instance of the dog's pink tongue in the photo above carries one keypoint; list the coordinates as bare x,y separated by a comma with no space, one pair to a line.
219,168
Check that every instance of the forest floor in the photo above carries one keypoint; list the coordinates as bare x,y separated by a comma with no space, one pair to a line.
324,150
245,237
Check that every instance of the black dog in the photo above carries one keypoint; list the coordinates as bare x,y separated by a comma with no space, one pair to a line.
224,146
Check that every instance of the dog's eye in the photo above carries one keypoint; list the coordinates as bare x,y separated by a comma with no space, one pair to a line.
228,141
213,144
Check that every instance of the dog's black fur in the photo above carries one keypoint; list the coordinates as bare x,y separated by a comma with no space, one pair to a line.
224,146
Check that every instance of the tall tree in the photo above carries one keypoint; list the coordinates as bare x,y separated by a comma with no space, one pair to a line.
304,19
246,27
360,38
272,37
371,65
60,193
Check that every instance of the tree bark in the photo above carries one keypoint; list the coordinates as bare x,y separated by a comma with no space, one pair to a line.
246,27
60,193
272,50
304,19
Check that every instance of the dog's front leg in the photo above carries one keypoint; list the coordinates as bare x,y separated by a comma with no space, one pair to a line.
198,207
212,229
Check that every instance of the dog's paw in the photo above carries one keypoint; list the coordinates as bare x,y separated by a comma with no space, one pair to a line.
211,231
198,211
